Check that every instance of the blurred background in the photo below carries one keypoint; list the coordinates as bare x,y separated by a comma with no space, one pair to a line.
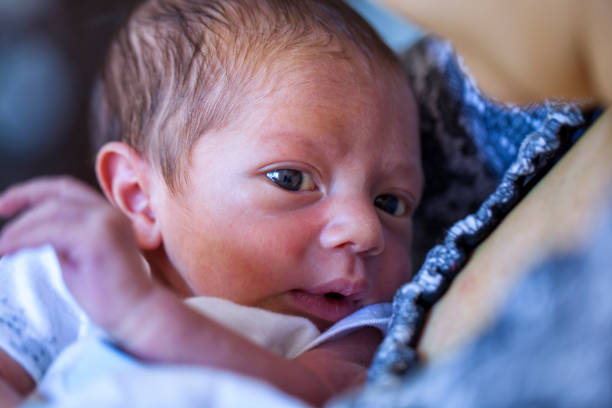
50,51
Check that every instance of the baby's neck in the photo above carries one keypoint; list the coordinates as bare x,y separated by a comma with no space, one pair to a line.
162,271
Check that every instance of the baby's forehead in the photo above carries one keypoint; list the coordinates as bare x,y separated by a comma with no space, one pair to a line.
337,85
320,103
325,72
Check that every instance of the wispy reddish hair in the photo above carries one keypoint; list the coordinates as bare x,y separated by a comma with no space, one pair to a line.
179,68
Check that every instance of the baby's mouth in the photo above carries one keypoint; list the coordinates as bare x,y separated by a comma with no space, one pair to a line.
329,307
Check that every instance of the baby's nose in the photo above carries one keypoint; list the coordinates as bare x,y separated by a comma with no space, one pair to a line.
354,224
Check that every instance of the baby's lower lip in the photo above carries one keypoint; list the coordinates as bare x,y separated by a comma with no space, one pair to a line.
327,308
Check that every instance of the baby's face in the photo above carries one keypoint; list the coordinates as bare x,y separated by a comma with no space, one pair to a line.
305,206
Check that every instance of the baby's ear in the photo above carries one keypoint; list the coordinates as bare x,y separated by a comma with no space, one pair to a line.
124,177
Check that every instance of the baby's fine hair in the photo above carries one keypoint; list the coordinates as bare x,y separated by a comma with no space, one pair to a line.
179,68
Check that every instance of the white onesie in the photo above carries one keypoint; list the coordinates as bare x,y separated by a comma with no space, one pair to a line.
40,321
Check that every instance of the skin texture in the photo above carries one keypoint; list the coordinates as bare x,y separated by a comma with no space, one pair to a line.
231,232
350,141
525,51
8,397
14,381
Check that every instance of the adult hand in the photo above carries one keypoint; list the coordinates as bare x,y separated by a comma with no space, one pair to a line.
99,256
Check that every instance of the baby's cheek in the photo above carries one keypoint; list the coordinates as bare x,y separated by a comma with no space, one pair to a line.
263,259
394,270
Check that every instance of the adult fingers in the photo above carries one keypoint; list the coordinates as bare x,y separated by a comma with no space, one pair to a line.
27,194
50,233
60,219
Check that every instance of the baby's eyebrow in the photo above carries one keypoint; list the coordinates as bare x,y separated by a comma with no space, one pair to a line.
295,140
409,172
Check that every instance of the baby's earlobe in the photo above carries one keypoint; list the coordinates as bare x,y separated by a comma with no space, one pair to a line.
150,214
147,233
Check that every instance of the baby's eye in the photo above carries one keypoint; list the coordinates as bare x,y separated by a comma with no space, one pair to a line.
292,180
391,204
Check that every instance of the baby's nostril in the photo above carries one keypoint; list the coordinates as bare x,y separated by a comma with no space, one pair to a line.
334,295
